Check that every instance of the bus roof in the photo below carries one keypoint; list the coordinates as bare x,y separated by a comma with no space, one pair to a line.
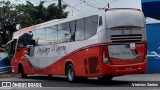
58,21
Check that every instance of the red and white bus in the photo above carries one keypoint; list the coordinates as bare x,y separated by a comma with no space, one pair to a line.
103,45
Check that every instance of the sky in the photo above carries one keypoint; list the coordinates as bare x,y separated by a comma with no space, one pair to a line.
76,7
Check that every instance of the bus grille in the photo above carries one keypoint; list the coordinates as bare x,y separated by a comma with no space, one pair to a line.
126,38
93,65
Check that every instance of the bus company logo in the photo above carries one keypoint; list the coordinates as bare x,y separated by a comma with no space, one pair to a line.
6,84
153,54
53,48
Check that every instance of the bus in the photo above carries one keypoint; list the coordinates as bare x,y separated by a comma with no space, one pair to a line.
103,45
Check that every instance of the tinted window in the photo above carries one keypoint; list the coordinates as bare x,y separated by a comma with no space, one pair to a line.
90,26
25,39
79,30
124,17
34,34
34,37
72,30
40,36
64,34
67,32
51,34
100,20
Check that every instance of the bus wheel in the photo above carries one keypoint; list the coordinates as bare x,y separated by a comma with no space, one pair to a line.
23,75
105,78
70,73
49,75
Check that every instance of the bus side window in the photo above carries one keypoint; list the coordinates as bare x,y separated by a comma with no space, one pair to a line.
79,35
51,35
91,24
72,30
64,34
40,36
100,20
25,40
55,31
60,34
67,33
34,38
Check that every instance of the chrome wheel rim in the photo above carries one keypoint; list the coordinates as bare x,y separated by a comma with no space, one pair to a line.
70,74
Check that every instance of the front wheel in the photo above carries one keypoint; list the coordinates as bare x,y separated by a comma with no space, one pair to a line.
22,72
70,73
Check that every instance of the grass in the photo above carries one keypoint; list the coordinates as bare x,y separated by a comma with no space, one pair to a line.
7,75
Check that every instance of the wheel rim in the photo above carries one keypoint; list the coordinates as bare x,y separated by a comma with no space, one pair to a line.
70,74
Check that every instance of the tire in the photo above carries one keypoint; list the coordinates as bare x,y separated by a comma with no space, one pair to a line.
70,73
105,78
49,75
23,75
81,79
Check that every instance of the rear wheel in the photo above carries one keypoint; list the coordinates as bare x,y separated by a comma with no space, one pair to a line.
70,73
105,78
23,75
49,75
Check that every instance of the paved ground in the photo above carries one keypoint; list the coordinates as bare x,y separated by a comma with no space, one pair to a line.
118,83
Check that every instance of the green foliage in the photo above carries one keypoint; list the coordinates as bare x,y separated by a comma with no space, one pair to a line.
25,15
7,21
38,14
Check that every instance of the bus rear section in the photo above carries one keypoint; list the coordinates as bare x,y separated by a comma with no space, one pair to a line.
125,50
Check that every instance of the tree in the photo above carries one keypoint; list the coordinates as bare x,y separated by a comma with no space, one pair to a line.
38,14
53,12
24,15
7,21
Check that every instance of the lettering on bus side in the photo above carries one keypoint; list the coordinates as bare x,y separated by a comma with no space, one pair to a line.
59,49
120,53
43,49
53,48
